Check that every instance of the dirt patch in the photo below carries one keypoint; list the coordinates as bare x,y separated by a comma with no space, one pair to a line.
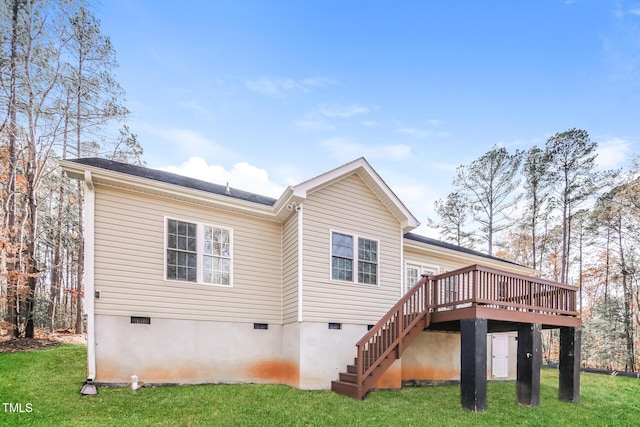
8,344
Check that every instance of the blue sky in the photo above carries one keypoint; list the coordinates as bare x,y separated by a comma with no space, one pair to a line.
266,94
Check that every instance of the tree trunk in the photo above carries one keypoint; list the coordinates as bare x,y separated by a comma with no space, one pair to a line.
13,268
56,277
630,362
56,270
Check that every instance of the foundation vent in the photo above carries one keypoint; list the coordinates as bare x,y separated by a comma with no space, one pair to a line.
260,326
140,320
335,325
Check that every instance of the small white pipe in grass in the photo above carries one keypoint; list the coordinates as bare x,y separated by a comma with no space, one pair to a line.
134,382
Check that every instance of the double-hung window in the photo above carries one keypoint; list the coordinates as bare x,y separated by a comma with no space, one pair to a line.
354,258
181,250
414,272
198,253
216,257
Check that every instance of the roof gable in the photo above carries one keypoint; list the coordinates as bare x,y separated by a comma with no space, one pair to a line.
370,177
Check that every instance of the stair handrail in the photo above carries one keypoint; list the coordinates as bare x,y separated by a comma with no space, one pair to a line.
400,328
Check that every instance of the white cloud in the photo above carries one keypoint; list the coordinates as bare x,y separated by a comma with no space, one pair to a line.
612,153
635,11
346,150
369,123
279,87
311,123
423,133
418,133
319,81
320,117
185,141
242,176
193,106
341,110
396,151
274,87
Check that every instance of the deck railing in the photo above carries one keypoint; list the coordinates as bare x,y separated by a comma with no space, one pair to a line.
480,285
473,285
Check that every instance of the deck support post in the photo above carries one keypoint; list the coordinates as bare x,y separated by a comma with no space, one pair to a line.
569,381
473,364
529,362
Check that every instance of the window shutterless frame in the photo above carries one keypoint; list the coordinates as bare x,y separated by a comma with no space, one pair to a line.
353,258
413,272
197,253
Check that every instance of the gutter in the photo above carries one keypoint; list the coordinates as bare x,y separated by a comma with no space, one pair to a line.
109,177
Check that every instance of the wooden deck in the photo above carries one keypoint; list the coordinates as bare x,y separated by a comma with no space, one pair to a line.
504,301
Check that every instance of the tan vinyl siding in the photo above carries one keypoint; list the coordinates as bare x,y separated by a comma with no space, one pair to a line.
130,253
442,262
290,269
348,206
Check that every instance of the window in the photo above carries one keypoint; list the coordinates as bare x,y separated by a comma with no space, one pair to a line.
216,258
367,261
198,253
342,257
414,272
181,250
347,264
411,278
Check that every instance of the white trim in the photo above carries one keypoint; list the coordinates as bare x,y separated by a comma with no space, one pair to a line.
199,252
89,272
403,269
277,212
421,267
371,178
137,183
452,255
300,261
356,237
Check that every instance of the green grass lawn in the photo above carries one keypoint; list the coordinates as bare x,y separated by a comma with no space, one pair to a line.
50,381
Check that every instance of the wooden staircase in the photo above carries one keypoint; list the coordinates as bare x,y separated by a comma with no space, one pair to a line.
386,341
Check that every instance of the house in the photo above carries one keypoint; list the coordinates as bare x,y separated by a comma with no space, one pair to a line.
192,282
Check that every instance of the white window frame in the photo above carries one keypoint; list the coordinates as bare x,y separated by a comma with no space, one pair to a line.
356,239
422,269
200,230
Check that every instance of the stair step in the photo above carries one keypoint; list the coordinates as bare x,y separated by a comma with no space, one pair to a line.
349,384
345,389
349,377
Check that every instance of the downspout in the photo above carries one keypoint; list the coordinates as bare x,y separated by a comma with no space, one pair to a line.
300,259
89,285
403,269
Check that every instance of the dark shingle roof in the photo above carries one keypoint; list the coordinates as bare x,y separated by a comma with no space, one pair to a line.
441,244
196,184
175,179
